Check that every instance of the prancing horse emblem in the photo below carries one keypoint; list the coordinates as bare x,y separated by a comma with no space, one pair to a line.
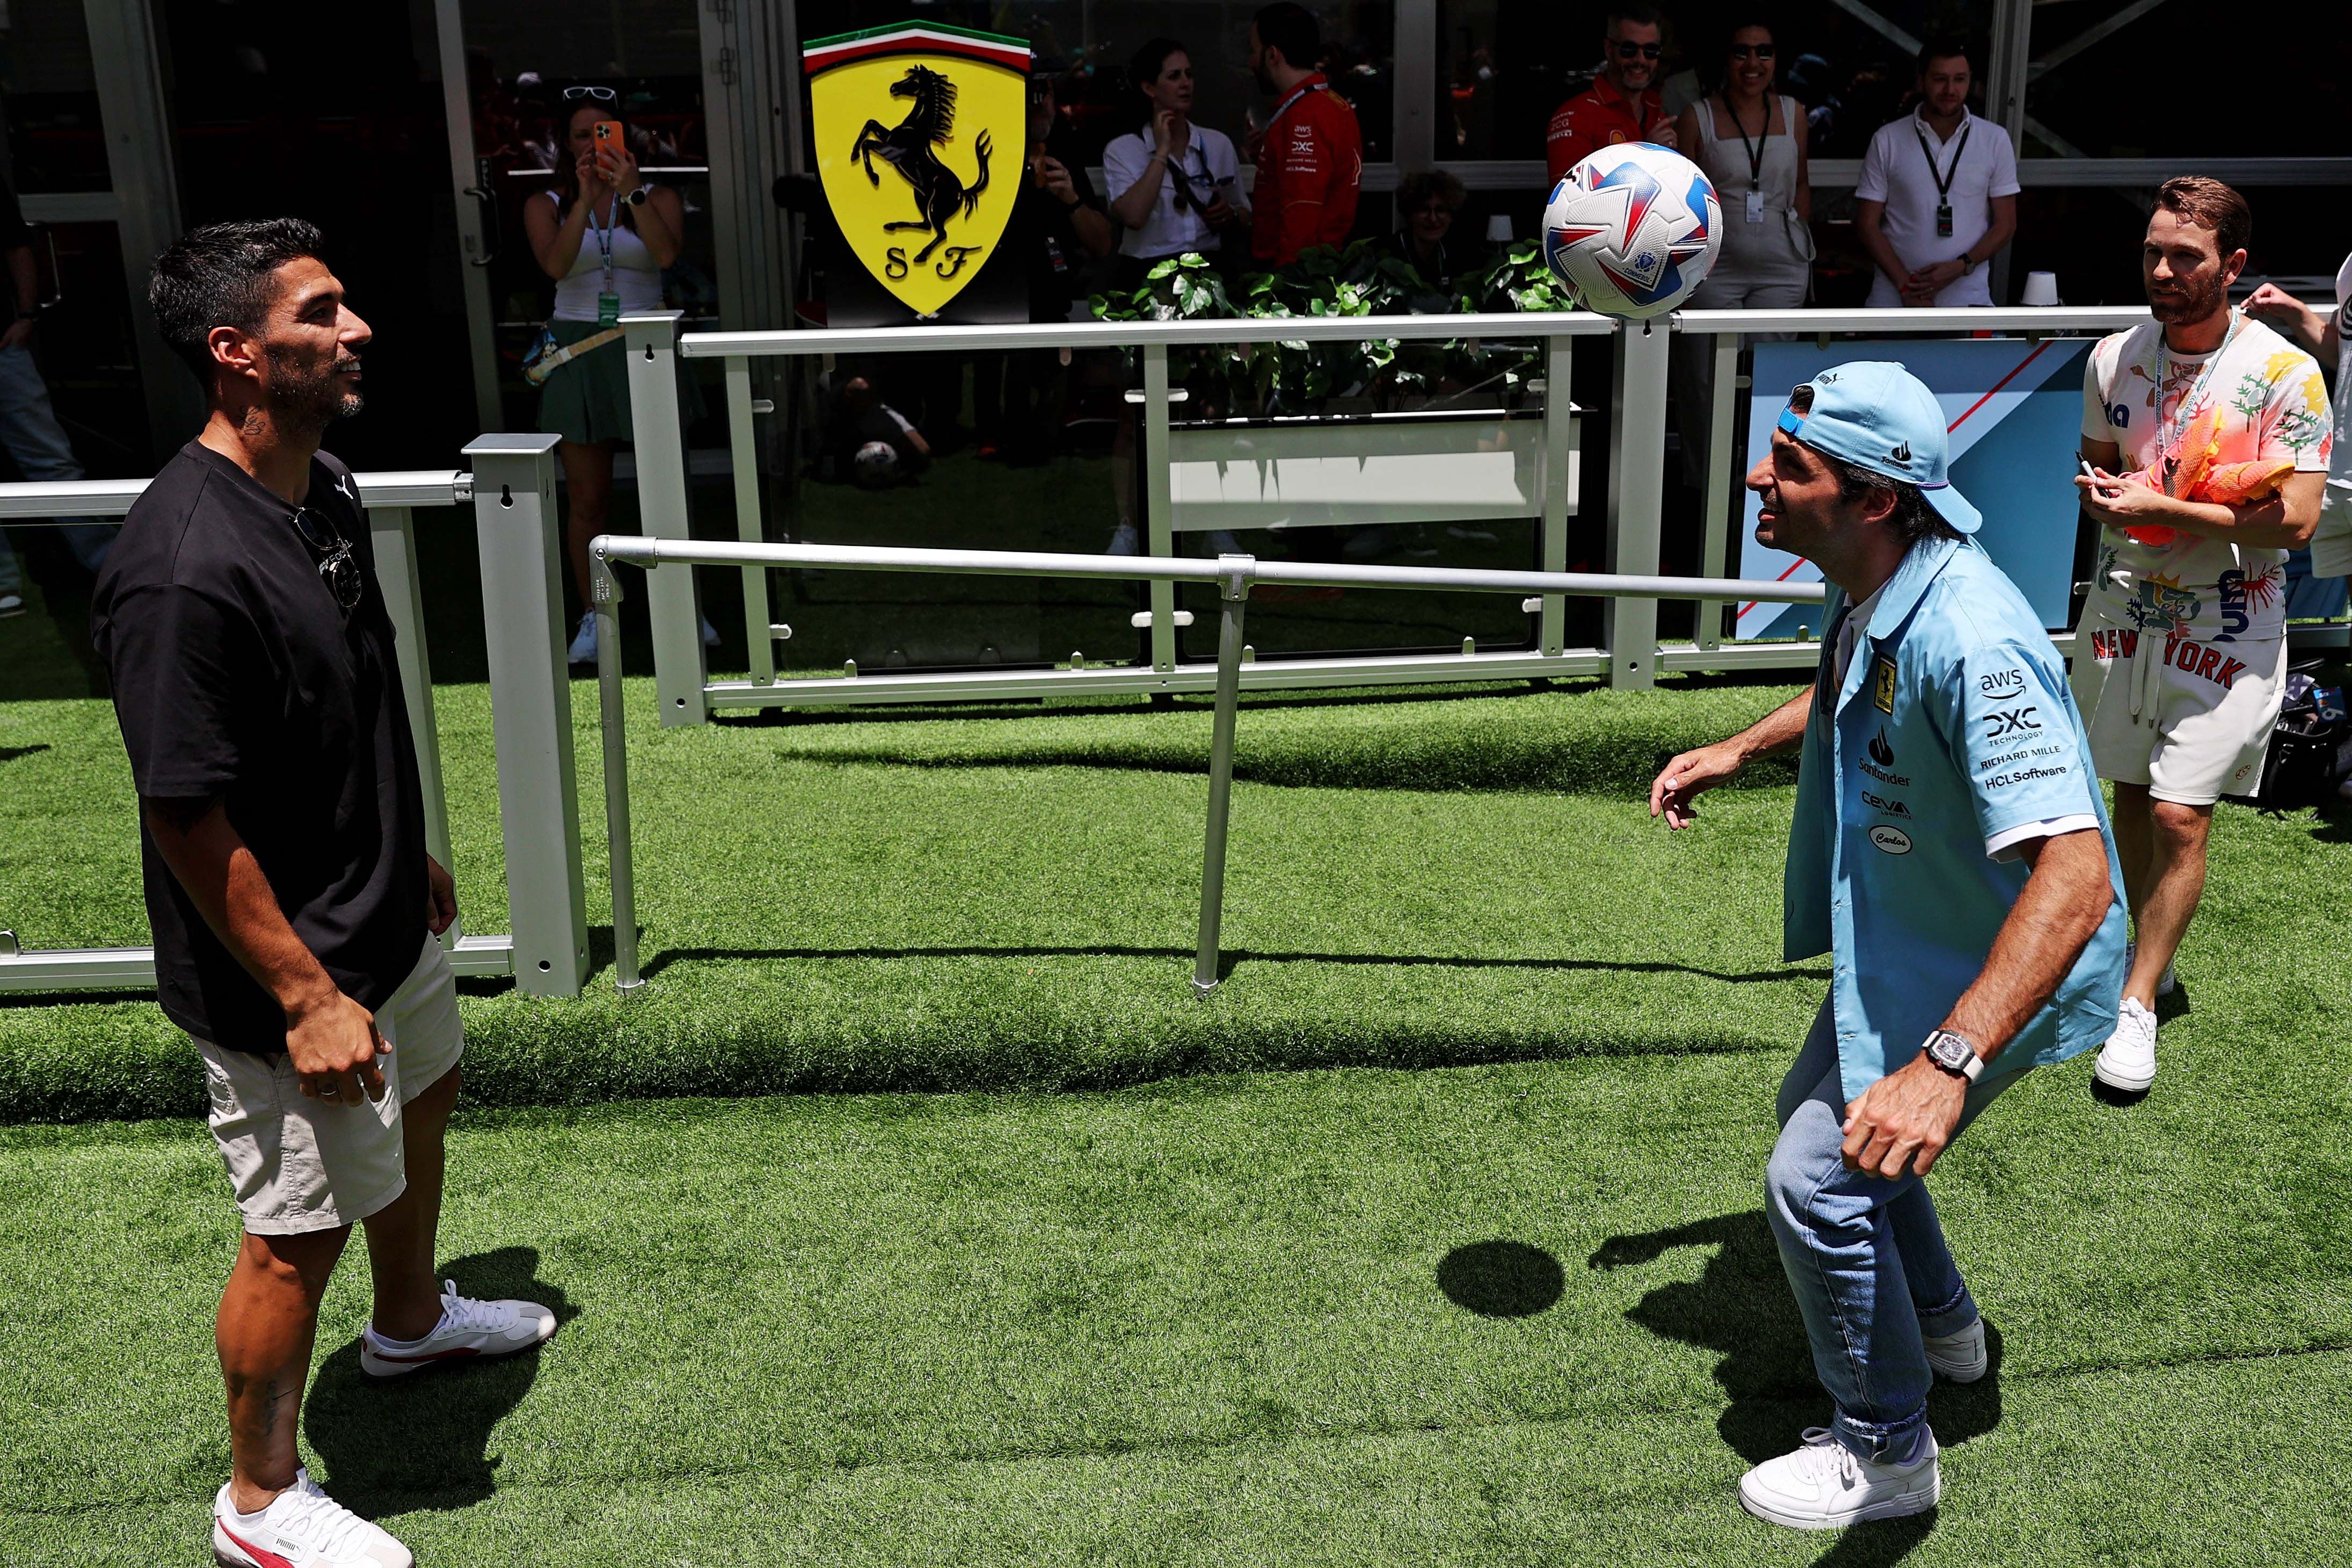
906,147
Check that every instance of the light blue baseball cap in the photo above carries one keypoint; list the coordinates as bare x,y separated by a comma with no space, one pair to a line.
1877,415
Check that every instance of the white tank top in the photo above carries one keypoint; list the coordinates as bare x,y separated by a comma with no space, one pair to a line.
636,279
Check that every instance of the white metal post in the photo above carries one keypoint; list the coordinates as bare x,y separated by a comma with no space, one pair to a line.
392,531
663,511
1158,500
604,594
744,452
1716,504
1559,478
531,708
1637,469
1233,575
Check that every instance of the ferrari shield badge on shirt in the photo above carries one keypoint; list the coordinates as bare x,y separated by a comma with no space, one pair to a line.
920,136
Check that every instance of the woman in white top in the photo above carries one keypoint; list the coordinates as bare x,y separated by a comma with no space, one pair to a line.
1174,186
1752,143
604,236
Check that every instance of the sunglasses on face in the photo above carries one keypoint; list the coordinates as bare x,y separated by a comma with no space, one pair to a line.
1628,51
600,94
336,565
1757,51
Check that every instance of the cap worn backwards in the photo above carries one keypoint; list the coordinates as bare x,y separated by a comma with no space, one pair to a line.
1879,416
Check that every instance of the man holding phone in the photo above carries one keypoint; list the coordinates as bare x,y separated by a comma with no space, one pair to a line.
294,906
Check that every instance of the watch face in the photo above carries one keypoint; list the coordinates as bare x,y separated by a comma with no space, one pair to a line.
1950,1050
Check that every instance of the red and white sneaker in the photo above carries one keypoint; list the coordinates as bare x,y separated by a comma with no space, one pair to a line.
301,1528
468,1331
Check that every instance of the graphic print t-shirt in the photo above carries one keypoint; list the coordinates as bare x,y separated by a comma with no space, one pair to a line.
2266,401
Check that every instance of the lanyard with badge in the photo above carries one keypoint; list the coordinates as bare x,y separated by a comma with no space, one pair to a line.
608,303
2168,430
1755,157
1284,107
1943,178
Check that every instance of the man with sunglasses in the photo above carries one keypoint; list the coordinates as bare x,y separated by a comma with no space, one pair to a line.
1621,105
293,904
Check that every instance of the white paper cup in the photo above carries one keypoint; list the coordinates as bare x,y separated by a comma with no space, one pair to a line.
2041,288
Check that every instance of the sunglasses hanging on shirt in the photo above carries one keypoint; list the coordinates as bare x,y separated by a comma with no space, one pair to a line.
336,565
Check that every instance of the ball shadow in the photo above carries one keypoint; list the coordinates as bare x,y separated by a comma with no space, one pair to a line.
1501,1279
423,1441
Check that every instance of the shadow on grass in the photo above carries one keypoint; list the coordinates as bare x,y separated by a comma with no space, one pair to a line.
1501,1279
1231,957
10,753
1741,1308
423,1441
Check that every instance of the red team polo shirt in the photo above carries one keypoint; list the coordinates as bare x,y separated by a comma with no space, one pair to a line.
1308,168
1600,117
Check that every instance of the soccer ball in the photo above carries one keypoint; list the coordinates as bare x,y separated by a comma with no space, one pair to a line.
876,464
1632,229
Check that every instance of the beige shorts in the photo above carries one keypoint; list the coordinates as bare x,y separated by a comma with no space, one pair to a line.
2189,719
2331,546
299,1165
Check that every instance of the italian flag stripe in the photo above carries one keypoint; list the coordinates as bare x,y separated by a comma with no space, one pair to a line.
990,48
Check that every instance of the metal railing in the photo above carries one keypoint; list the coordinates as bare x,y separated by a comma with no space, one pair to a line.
390,500
1232,575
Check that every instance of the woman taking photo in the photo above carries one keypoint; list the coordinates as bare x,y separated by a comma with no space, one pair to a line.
1173,185
604,236
1752,143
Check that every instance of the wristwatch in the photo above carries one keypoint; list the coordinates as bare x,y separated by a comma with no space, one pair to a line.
637,198
1955,1053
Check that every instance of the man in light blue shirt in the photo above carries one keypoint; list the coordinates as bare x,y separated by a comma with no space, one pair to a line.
1951,850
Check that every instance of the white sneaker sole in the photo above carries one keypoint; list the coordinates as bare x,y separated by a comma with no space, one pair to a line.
2130,1083
383,1369
1900,1506
1961,1372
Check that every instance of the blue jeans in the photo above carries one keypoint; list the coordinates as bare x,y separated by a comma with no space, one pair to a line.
1865,1256
30,431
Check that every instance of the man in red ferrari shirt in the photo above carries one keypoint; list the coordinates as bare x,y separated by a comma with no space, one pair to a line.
1311,157
1621,105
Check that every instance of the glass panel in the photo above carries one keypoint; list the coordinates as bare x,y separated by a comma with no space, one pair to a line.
1095,37
2090,237
55,141
1504,67
2092,92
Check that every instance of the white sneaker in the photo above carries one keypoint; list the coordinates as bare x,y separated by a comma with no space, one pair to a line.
583,641
1826,1486
468,1331
301,1528
1959,1356
2127,1062
2164,986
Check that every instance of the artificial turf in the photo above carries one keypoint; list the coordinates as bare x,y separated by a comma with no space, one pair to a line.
1498,1290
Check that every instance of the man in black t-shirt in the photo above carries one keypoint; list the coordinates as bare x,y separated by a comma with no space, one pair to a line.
289,888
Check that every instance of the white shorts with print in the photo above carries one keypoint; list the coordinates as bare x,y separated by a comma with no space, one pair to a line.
299,1165
2188,719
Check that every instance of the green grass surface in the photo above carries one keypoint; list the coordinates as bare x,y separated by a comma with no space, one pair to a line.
1224,1319
1433,1236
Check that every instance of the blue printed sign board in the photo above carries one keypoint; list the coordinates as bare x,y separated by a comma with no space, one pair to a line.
2014,408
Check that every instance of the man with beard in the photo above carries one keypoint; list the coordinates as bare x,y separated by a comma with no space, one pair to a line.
283,834
1621,105
2206,436
1962,877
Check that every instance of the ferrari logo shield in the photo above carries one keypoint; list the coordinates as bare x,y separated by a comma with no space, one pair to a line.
909,121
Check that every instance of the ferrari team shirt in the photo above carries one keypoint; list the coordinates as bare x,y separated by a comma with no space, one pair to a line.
1308,168
1950,736
1599,116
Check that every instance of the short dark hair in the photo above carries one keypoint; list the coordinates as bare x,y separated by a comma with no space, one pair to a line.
1290,27
1143,66
222,274
1639,15
1913,519
1944,46
2209,204
1416,190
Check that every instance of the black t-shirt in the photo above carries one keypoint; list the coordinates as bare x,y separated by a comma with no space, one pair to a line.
1039,231
237,675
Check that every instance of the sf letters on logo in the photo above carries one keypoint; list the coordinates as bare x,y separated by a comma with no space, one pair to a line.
2010,721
